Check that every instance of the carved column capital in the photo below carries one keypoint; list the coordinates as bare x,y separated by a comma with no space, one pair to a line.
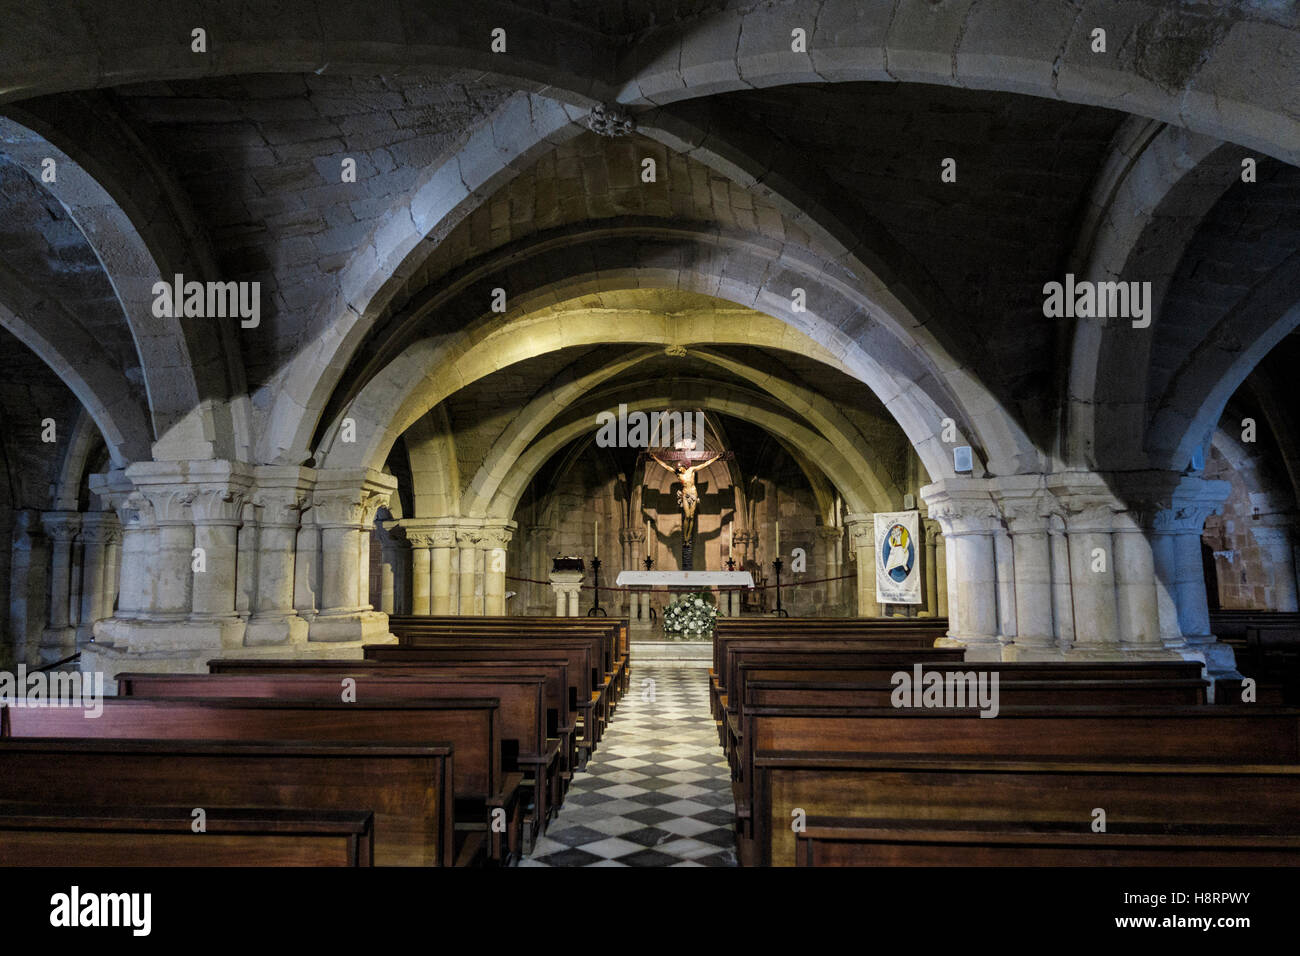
61,526
496,536
351,498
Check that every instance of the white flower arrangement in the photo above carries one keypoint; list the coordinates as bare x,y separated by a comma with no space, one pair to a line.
690,614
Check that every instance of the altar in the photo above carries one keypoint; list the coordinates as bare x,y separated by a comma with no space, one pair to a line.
685,580
641,583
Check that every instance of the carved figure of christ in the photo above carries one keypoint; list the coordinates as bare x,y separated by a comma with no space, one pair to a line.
689,496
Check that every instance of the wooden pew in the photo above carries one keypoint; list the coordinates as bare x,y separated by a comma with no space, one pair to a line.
925,788
1172,682
469,726
524,745
850,841
758,622
1032,735
731,652
1231,690
619,624
1049,692
73,836
611,634
817,679
851,657
603,676
1230,625
561,708
408,789
722,672
577,654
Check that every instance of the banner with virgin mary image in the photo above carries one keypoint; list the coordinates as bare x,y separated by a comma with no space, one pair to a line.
898,557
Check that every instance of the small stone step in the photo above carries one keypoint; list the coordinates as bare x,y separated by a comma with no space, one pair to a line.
683,652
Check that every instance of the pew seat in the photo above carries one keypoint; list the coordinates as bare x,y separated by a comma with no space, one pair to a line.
850,841
76,836
407,788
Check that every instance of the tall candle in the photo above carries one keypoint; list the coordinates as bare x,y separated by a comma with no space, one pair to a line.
778,539
595,539
731,538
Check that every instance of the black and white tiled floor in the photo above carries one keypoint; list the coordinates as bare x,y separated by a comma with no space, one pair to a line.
657,792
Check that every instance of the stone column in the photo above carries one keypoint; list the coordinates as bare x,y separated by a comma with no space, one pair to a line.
307,567
495,540
246,563
28,596
392,569
539,566
862,532
74,582
113,571
941,573
217,515
97,529
1035,635
931,568
1004,560
969,518
467,540
59,638
280,499
1275,542
136,516
442,543
566,585
422,572
1179,572
1092,565
169,566
345,505
828,539
633,541
1135,582
1062,594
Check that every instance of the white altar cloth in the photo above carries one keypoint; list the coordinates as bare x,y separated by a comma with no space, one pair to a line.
685,579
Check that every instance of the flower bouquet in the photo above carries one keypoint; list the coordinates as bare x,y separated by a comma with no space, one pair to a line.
691,615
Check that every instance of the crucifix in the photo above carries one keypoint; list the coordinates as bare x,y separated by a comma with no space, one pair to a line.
688,497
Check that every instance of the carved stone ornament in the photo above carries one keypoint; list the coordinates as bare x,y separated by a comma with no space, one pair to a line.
610,120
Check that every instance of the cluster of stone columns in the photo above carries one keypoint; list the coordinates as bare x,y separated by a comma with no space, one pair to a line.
1078,566
457,565
637,607
64,575
218,556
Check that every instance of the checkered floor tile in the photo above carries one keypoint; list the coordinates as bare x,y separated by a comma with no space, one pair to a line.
657,792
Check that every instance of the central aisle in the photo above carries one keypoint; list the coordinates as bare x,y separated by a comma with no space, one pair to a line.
658,791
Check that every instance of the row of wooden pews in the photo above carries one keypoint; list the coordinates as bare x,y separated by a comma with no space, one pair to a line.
1267,648
1080,764
453,748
